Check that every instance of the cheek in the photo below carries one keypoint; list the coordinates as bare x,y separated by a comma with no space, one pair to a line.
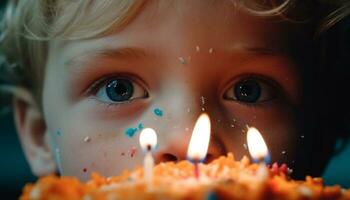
87,144
277,125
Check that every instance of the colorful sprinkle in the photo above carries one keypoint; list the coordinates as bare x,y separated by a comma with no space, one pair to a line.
87,139
140,126
182,60
211,50
203,100
133,151
130,132
158,112
197,48
59,132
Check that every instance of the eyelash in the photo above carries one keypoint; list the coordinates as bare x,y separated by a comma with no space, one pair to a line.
96,85
92,90
270,82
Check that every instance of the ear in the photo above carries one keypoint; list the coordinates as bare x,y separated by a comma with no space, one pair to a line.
32,132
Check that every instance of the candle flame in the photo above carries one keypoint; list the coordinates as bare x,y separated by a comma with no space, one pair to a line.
256,144
198,147
148,139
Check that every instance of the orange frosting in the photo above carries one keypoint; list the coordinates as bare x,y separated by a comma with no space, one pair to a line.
223,178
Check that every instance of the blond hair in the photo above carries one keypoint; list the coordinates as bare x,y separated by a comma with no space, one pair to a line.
28,26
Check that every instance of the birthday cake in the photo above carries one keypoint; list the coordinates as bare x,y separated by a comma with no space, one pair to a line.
223,178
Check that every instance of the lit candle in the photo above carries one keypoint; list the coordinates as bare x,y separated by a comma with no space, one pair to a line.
259,152
198,147
148,142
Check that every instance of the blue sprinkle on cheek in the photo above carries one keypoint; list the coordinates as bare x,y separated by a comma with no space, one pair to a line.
140,126
158,112
130,132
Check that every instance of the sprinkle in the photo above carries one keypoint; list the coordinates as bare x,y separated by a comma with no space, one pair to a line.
197,48
234,120
87,139
232,125
203,100
211,50
283,152
188,110
130,132
203,109
290,171
140,126
59,132
187,129
84,170
245,146
133,151
302,136
182,60
158,112
243,131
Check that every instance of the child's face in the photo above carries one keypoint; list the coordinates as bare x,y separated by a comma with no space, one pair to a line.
183,58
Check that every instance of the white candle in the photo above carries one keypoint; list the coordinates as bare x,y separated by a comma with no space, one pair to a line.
148,142
199,143
148,165
259,152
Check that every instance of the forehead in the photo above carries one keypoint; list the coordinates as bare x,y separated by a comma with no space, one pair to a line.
185,24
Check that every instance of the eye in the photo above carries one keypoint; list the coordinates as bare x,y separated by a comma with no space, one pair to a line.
251,90
117,90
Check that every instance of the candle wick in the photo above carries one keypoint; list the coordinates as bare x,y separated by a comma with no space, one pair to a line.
149,147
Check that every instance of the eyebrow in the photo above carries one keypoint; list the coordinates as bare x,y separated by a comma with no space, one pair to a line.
260,50
137,52
119,53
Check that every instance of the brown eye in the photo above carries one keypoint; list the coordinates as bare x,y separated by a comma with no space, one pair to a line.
251,91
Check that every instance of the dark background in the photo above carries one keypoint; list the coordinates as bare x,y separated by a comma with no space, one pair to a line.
15,172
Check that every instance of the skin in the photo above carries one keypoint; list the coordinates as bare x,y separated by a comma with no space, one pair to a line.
147,51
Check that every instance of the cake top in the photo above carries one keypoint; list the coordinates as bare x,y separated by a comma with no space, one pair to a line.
224,177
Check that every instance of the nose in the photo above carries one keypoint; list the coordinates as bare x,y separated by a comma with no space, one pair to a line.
176,149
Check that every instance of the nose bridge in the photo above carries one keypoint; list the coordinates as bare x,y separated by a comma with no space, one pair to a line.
183,108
